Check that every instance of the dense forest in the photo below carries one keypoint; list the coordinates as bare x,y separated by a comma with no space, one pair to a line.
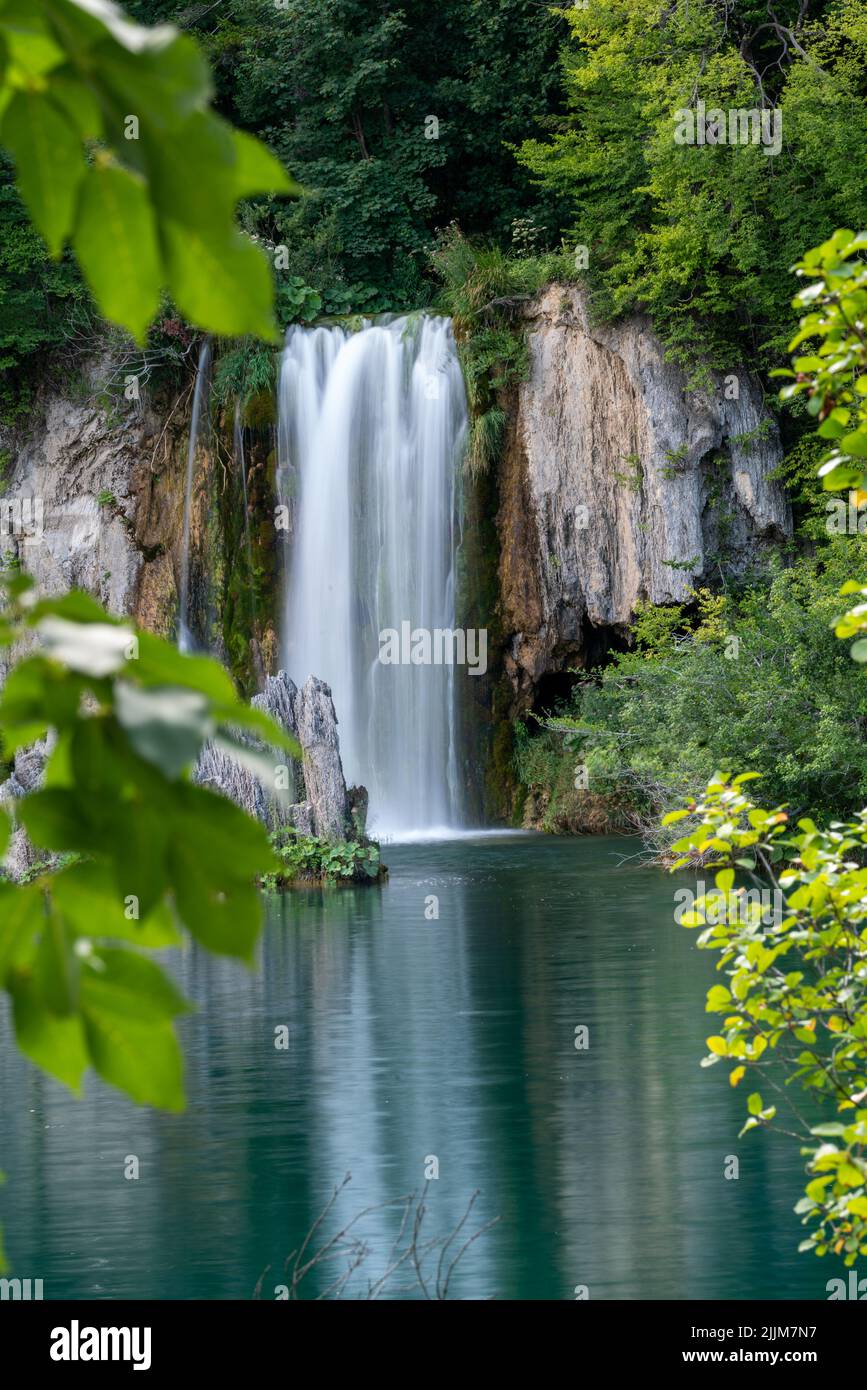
533,128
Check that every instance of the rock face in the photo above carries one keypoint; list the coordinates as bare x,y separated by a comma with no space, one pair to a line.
323,772
94,495
326,809
28,767
620,485
67,537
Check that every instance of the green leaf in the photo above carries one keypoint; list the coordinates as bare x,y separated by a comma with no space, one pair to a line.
53,820
21,916
89,900
94,649
78,102
222,282
257,170
222,837
718,997
140,1058
160,663
137,844
849,1175
57,966
221,912
55,1044
116,244
164,89
166,727
855,443
754,1103
49,163
117,981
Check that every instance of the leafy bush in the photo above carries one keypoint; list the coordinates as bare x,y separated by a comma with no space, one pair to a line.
484,289
243,369
832,376
303,857
795,1003
702,236
752,680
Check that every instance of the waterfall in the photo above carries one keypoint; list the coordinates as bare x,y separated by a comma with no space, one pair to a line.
185,638
241,464
372,427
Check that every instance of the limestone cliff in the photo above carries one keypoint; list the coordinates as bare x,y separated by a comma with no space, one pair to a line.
619,484
94,497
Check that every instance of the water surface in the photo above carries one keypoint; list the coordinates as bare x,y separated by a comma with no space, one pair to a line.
411,1039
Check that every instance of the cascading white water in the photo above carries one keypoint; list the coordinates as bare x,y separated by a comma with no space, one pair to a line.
372,427
185,636
241,464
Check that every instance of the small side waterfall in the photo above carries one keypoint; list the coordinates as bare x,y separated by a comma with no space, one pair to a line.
371,431
200,391
241,465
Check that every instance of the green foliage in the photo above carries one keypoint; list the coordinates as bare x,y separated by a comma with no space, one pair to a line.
702,235
117,149
143,850
797,473
243,369
347,95
832,375
487,432
483,288
795,1002
751,680
303,857
40,299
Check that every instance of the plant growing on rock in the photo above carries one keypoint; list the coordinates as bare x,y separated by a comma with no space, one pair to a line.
306,858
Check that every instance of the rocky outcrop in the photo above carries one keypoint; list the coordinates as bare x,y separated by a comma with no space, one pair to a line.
94,487
323,771
326,810
619,484
27,771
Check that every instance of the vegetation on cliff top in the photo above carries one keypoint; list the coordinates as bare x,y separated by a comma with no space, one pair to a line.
702,236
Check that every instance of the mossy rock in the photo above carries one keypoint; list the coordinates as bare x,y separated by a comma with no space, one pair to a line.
261,410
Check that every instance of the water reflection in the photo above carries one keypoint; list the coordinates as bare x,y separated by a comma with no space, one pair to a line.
410,1039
